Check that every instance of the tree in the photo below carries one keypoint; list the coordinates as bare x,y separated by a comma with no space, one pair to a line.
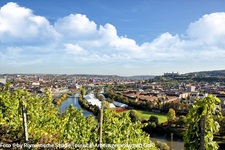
171,115
101,98
96,91
201,125
58,101
182,120
149,105
110,100
134,116
105,104
82,92
152,122
126,100
222,126
154,119
80,98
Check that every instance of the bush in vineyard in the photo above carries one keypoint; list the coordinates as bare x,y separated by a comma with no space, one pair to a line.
119,129
201,124
46,125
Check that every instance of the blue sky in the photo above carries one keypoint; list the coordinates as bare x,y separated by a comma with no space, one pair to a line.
129,37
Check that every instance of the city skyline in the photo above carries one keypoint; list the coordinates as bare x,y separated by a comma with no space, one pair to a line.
111,38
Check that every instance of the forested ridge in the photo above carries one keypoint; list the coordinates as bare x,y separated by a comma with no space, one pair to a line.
209,73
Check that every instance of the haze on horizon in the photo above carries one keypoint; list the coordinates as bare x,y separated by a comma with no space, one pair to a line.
112,38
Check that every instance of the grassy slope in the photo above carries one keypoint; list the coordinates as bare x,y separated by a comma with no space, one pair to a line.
146,114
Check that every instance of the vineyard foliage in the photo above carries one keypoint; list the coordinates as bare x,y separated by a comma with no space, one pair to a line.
46,125
202,109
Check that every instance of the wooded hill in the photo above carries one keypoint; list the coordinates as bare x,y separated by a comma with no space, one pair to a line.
214,73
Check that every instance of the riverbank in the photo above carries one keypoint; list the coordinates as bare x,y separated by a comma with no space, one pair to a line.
58,101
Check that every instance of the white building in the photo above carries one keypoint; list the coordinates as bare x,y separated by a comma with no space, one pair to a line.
94,101
3,80
118,104
35,83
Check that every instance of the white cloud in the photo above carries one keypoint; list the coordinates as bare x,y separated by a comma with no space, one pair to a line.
76,39
20,25
209,29
108,33
75,26
74,49
166,45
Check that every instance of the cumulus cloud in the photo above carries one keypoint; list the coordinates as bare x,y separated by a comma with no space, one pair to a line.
209,29
75,26
81,41
166,45
74,49
108,33
20,25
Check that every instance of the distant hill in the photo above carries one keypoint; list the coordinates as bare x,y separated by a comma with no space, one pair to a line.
142,77
214,73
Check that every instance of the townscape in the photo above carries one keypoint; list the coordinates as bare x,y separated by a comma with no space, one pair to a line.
154,89
138,95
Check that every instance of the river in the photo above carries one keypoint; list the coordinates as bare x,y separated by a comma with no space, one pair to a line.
75,103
